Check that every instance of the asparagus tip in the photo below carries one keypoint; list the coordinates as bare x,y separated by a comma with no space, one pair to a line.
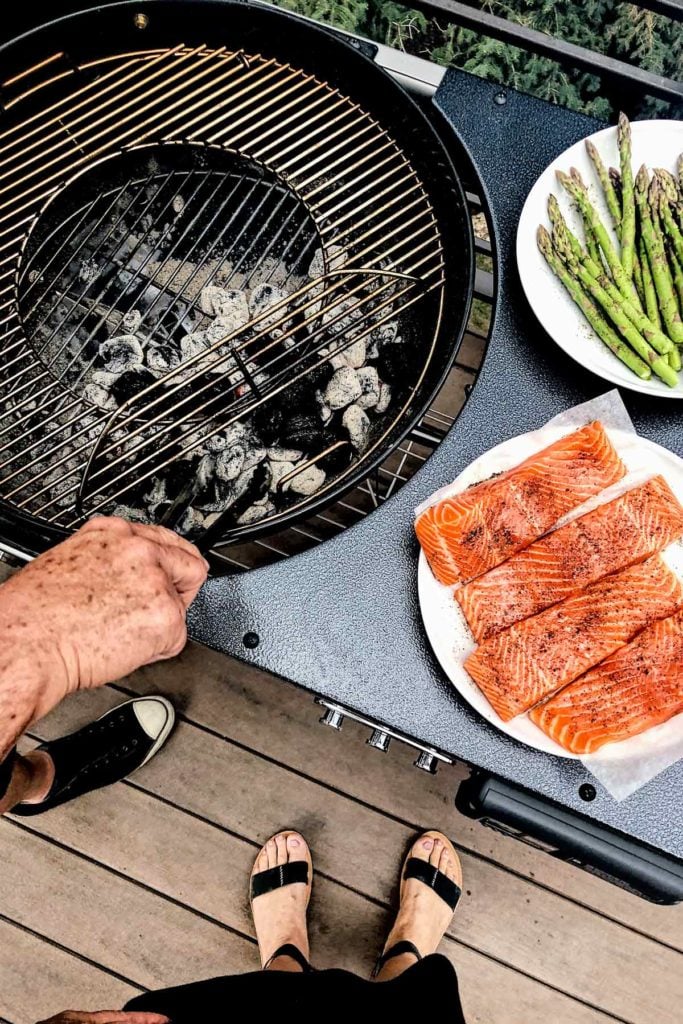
623,124
642,177
543,239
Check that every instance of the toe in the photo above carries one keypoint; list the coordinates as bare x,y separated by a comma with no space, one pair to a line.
271,850
281,848
423,848
296,846
262,861
437,850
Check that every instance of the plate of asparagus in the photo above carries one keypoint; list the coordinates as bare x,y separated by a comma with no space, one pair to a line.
600,254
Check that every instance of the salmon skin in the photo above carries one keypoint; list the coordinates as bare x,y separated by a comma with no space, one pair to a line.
619,533
638,687
519,667
464,535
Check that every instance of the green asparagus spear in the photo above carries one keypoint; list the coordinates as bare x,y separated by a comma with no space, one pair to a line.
677,277
656,254
621,312
674,358
650,295
611,198
666,216
577,191
556,217
628,209
592,315
592,245
615,179
679,168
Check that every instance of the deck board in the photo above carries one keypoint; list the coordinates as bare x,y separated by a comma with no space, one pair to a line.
164,861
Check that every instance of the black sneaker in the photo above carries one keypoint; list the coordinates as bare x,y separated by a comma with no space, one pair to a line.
106,751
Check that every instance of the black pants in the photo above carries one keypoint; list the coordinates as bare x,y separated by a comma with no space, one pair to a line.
427,988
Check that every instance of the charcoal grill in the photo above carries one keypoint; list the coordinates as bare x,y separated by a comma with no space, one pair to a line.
146,177
341,619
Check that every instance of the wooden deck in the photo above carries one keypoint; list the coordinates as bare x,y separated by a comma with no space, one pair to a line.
145,885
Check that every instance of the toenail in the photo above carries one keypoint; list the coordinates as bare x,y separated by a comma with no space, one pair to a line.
428,843
293,841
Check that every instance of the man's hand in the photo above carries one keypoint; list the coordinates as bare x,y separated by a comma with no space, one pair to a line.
109,599
105,1017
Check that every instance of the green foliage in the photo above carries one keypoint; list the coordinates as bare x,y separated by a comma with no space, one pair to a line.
620,30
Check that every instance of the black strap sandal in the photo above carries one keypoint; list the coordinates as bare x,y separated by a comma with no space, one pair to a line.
267,881
294,954
444,887
397,950
275,878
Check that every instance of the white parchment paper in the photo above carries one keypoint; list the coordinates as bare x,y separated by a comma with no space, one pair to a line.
623,767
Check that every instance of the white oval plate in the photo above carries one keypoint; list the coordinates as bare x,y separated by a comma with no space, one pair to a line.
656,144
444,622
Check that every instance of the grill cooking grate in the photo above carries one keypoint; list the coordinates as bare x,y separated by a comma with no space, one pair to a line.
150,177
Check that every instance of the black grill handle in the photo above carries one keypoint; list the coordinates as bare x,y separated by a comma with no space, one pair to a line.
571,837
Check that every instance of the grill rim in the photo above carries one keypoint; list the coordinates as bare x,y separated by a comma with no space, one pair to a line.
449,190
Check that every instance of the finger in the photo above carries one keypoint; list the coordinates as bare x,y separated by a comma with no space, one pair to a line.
186,572
111,524
162,535
108,1017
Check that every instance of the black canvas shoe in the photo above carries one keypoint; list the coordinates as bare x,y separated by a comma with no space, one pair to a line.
106,751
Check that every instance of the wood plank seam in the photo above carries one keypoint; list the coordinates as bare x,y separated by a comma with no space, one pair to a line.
183,717
71,952
136,882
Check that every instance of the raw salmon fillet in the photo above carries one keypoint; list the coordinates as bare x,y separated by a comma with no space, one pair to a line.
619,533
532,660
639,686
466,534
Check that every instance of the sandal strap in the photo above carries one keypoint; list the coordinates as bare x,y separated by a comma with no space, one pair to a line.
275,878
293,953
398,949
442,885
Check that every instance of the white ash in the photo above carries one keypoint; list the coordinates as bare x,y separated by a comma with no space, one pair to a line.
371,387
193,344
122,352
308,481
357,422
230,462
256,512
284,454
131,321
384,398
192,522
254,456
162,358
279,470
216,443
261,299
178,204
355,354
98,395
343,388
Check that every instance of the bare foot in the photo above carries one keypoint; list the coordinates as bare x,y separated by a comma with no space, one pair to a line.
423,917
280,916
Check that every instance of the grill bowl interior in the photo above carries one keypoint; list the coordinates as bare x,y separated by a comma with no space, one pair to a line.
282,38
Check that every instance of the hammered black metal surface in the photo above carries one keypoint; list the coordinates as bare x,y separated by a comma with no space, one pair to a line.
342,620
